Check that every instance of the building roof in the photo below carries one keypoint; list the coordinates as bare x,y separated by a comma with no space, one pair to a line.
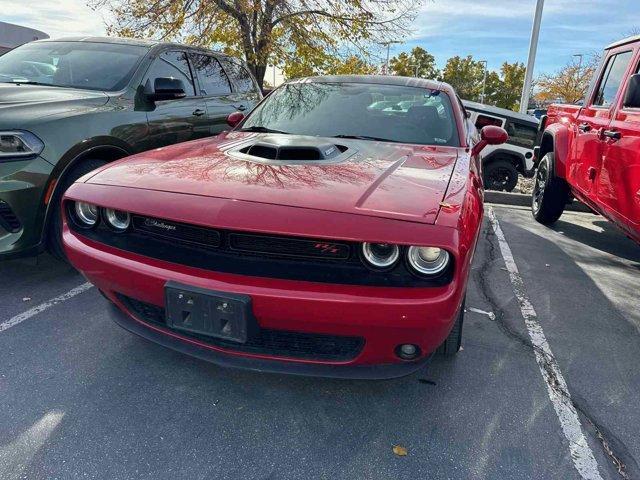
14,35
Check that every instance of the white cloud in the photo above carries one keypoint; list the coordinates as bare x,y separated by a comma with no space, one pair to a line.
57,18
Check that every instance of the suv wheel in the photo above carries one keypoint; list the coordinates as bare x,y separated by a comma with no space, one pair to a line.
550,193
54,233
500,175
453,342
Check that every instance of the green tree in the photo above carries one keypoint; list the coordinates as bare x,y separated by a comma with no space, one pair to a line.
264,31
504,90
406,64
569,84
465,75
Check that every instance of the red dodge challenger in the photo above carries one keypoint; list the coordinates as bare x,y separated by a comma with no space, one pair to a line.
321,236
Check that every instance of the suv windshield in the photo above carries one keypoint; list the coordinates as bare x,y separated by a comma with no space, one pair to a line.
92,66
416,115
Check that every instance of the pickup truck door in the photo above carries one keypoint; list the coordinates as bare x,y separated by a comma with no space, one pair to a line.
592,120
174,121
619,179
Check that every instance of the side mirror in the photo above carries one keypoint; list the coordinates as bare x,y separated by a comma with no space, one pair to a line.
632,97
490,135
165,88
234,119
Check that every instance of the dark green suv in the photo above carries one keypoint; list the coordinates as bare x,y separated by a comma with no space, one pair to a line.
71,105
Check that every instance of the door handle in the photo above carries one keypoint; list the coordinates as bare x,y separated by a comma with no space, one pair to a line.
612,134
198,112
240,108
584,127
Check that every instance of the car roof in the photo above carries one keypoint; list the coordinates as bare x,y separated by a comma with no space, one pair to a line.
129,41
500,112
624,41
380,80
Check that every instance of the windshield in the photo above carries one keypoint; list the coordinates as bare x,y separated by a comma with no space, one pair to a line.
359,110
91,66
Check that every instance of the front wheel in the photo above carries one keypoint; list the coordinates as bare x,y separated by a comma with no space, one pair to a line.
453,342
550,193
500,175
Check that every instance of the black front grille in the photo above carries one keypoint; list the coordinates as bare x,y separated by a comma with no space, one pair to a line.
8,220
177,231
257,254
277,343
291,247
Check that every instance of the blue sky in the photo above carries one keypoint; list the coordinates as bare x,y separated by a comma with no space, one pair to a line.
495,30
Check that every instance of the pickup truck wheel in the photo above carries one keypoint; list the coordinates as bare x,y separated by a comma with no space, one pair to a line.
54,233
453,342
550,193
500,175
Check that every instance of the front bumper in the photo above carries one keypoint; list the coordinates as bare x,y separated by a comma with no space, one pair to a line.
22,188
384,317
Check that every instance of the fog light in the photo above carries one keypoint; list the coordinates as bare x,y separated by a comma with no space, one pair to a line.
407,351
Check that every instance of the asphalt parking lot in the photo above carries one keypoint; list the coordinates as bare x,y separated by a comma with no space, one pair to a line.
547,385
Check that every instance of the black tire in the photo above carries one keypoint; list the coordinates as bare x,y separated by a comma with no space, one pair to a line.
453,342
550,193
500,175
54,231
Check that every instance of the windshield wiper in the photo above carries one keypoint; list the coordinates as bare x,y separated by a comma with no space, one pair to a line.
31,82
366,137
261,129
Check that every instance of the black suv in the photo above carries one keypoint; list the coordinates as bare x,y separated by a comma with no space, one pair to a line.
70,105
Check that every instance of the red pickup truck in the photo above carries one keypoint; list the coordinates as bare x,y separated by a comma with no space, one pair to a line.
592,151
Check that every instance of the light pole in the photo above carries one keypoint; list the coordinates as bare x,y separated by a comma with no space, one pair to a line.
580,55
388,45
416,65
484,80
533,47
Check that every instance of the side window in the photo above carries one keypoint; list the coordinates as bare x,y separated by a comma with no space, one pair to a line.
173,65
213,80
521,135
239,74
611,79
484,120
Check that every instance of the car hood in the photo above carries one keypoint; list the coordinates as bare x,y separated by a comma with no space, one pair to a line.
373,178
28,103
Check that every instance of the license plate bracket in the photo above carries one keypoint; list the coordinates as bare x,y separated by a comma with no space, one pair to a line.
209,312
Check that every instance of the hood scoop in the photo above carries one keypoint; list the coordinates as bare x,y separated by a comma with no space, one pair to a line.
280,149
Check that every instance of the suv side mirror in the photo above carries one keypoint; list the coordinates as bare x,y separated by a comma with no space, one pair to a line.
234,119
632,97
164,88
490,135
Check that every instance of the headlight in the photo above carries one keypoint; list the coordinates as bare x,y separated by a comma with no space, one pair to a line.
428,260
117,219
18,144
380,255
86,214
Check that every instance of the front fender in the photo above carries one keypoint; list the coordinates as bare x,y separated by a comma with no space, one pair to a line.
556,138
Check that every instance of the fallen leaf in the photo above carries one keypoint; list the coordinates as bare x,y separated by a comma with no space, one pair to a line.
399,450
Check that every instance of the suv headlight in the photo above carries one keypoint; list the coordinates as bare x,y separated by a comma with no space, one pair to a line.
19,144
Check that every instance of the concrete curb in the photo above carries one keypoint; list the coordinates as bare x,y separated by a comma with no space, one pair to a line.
524,200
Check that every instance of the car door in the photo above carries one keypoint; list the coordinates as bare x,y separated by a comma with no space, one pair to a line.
593,119
174,121
215,89
246,92
619,178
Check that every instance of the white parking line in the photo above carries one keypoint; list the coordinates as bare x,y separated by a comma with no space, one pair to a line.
21,317
581,453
